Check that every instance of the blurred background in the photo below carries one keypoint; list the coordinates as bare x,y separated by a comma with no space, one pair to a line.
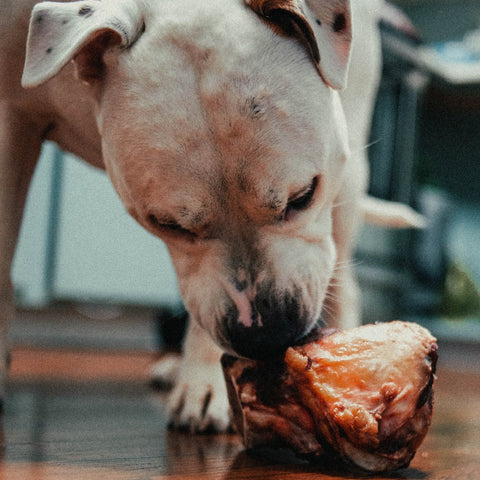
86,275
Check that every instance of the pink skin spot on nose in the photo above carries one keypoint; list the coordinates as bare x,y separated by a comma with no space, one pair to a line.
242,301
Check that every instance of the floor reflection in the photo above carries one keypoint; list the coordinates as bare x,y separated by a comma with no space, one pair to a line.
201,454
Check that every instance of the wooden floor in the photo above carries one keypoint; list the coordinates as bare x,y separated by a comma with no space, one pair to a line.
86,415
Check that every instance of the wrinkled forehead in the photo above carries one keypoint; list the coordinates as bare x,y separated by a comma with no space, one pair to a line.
217,106
252,138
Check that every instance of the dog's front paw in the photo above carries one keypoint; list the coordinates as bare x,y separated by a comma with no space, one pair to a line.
164,372
198,403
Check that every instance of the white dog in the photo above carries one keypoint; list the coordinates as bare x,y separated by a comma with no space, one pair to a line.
221,126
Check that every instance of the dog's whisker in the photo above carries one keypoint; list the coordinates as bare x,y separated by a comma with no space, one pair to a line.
366,146
331,296
345,265
371,144
345,201
328,310
340,204
343,262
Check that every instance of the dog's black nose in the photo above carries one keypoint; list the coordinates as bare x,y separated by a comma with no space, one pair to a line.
274,326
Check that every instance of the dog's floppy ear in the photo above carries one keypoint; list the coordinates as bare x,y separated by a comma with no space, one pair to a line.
81,31
322,26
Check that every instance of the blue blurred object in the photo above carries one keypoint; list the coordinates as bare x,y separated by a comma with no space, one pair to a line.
456,52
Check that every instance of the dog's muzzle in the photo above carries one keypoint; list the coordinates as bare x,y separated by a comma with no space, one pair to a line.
263,328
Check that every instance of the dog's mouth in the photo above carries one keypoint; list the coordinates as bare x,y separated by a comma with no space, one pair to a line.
266,343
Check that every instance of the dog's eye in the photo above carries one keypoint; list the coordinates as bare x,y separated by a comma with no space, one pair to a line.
301,201
170,227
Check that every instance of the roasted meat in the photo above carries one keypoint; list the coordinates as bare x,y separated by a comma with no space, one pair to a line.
363,395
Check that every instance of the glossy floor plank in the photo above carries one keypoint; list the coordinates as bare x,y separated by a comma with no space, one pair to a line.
89,415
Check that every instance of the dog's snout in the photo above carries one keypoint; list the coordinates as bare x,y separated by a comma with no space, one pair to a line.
273,325
258,342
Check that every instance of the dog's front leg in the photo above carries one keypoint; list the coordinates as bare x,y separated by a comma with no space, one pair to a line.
198,402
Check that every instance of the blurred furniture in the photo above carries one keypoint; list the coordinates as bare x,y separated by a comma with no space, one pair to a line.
425,151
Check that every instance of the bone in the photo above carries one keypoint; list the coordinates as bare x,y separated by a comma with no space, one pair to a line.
362,396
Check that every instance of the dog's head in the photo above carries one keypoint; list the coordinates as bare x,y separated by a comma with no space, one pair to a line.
223,135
